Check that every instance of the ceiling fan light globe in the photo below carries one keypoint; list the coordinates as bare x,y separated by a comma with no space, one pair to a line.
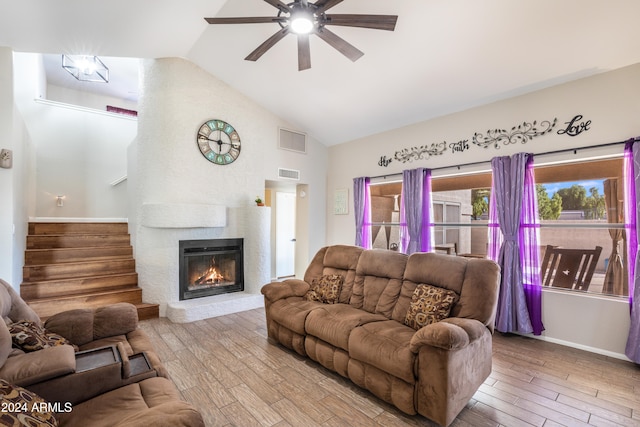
301,24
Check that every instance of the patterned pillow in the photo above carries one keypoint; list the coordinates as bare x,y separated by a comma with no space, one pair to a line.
429,304
20,407
326,289
28,336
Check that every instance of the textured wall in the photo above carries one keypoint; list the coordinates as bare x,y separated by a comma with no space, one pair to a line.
166,167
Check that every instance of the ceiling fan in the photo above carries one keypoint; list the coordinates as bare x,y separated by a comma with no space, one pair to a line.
304,18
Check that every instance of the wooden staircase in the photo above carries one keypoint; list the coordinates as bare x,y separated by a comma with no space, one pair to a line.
80,265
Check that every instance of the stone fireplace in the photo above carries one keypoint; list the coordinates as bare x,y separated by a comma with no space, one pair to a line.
210,267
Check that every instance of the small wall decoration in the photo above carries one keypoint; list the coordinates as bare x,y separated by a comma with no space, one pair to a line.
575,127
460,146
418,153
384,161
521,133
6,158
341,202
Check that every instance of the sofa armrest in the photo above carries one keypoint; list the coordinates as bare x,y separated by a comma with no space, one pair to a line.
288,288
449,334
37,366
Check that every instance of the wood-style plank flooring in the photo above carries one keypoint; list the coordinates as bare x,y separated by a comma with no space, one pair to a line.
228,369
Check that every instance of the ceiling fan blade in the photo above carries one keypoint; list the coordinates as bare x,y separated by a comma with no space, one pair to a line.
304,52
344,47
268,44
247,20
324,5
278,4
376,22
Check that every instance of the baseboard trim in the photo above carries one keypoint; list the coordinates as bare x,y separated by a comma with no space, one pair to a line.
590,349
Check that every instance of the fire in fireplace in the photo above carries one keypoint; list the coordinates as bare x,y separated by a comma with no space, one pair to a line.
210,267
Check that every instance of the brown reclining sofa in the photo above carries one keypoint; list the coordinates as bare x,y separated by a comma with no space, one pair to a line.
361,313
94,379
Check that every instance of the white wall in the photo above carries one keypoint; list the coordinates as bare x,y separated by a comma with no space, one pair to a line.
607,99
166,167
78,151
7,176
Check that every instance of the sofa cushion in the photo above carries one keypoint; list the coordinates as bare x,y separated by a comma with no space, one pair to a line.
378,281
292,313
29,336
385,345
20,407
334,323
326,289
337,259
429,304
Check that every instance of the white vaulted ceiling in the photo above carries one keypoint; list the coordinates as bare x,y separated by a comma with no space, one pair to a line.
444,56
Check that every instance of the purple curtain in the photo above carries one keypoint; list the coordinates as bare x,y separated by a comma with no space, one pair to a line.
362,209
631,215
513,244
416,223
530,249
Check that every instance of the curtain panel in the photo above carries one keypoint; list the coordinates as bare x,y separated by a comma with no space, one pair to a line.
362,210
513,244
416,212
631,214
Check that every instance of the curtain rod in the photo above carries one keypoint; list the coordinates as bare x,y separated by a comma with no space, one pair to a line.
567,150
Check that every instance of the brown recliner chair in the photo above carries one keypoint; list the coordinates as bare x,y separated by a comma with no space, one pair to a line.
85,328
101,397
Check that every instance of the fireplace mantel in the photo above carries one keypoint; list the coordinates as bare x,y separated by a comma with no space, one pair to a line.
183,215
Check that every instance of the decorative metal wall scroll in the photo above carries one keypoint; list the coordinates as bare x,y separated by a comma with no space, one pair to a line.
418,153
521,133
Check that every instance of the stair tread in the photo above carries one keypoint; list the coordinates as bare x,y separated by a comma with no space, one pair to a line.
91,261
97,277
122,290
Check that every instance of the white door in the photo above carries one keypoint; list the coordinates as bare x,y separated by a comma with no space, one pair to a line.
285,234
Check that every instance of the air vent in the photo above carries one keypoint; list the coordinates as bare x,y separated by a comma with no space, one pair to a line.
289,174
293,141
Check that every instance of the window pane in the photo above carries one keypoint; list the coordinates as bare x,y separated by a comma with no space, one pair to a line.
574,217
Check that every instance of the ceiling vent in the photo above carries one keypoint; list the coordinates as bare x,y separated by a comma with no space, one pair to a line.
292,141
289,174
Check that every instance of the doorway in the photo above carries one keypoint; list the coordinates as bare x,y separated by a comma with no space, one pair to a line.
285,233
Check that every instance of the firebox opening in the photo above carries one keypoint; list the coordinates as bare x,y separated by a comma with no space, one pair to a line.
210,267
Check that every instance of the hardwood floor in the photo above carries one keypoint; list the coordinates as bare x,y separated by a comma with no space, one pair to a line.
226,367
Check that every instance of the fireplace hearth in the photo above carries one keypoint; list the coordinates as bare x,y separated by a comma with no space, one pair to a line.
210,267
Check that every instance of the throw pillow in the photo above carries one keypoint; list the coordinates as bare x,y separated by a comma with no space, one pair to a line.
429,304
326,289
20,407
28,336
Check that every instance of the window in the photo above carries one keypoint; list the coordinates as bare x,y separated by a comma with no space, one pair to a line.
385,215
575,215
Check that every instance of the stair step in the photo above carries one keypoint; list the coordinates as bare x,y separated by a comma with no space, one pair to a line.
54,241
53,256
148,311
71,286
47,307
77,269
43,228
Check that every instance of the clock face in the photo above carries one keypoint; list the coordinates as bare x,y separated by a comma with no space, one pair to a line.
219,142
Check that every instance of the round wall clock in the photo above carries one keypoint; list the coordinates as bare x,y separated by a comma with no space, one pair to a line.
218,142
